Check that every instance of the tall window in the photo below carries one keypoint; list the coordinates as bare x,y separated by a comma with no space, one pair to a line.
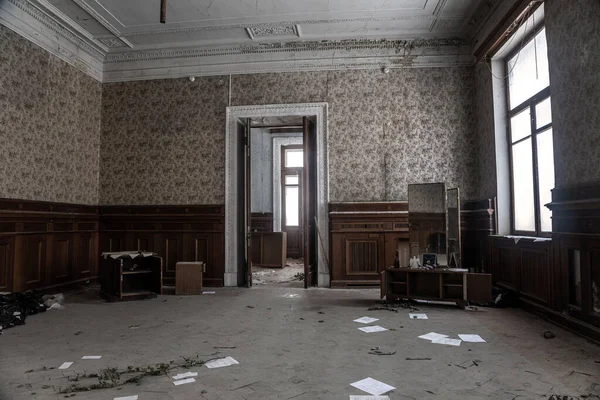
530,136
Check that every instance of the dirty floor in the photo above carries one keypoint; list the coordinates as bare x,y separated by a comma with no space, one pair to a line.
293,343
292,274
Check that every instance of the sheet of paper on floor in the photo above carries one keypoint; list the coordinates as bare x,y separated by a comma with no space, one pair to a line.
183,381
185,375
361,397
221,362
471,338
291,295
208,292
372,386
447,341
433,336
418,316
372,329
366,320
91,357
65,365
134,397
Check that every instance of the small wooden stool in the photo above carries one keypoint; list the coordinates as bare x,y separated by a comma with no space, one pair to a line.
188,277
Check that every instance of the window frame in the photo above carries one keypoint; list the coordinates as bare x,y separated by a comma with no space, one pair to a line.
530,104
293,171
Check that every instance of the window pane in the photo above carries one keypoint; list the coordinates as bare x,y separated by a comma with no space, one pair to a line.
520,125
523,199
543,114
291,179
545,155
291,206
294,158
528,70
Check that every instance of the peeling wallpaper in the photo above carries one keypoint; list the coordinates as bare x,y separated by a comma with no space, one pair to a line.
573,35
49,125
484,132
163,141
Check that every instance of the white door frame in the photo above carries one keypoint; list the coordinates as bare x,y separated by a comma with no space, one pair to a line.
319,112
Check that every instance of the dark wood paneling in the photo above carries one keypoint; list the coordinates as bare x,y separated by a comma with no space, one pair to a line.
6,263
61,259
478,222
176,233
363,240
32,256
262,222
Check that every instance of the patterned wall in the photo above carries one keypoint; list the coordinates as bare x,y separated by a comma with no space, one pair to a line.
49,125
484,122
573,35
163,141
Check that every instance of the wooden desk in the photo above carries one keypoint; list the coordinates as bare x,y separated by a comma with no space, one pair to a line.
437,284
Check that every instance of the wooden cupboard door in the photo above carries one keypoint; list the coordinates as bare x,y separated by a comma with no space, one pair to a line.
479,288
171,250
31,262
364,255
6,263
61,261
85,256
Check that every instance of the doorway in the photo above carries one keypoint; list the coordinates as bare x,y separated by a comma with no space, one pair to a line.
239,243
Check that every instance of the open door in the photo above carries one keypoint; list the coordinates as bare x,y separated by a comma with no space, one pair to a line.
243,204
310,203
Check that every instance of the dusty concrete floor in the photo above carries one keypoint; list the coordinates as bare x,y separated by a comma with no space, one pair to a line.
305,347
288,275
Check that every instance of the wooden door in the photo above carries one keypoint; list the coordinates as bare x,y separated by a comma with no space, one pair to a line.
310,203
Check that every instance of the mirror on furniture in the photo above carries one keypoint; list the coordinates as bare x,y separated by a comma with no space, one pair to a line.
454,239
427,223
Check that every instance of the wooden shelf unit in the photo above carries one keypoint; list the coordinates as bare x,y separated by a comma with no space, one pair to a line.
131,279
436,284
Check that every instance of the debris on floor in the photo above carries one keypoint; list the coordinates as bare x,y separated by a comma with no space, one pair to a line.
447,341
432,336
378,352
221,362
91,357
134,397
549,335
54,301
372,329
394,305
372,386
418,316
353,397
298,277
65,365
15,307
184,381
471,338
418,358
366,320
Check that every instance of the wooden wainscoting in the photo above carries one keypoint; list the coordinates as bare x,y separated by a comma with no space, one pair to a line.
576,248
261,222
47,246
477,223
363,240
522,265
176,233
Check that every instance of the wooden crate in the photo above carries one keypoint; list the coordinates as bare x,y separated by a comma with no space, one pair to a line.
188,277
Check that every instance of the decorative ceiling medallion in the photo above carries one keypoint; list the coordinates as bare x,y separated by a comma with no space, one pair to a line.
272,30
112,42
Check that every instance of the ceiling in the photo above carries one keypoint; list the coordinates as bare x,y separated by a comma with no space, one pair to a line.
206,37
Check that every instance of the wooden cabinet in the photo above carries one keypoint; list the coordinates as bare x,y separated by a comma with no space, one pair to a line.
269,249
127,278
364,238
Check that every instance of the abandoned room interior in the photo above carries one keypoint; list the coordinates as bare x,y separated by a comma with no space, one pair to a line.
278,199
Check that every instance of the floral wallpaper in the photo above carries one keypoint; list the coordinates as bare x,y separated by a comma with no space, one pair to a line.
163,141
484,131
429,198
49,125
573,34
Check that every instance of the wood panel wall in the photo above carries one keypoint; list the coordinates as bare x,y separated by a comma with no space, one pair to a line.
47,246
477,224
55,246
363,240
176,233
261,222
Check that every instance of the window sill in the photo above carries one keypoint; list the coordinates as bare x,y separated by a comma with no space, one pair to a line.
518,238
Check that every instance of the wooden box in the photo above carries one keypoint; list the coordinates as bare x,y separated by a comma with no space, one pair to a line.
188,277
130,276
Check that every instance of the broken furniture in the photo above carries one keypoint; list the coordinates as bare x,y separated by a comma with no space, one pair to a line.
130,275
458,286
188,277
269,249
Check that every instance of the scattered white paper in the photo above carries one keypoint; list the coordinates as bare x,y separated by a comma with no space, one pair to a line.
183,381
433,336
471,338
448,341
91,357
208,292
372,386
374,328
418,316
65,365
134,397
221,362
291,295
185,375
353,397
366,320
